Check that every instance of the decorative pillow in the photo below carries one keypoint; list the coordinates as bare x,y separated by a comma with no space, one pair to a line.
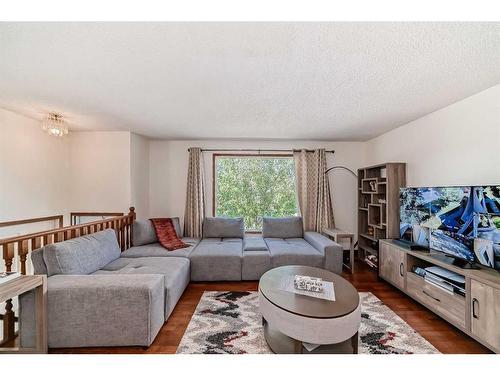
166,234
144,232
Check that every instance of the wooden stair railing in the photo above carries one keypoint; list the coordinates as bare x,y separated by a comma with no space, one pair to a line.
75,216
59,219
24,244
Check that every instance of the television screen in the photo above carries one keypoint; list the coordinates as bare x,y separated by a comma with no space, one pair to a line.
486,230
463,221
488,199
425,209
451,243
487,240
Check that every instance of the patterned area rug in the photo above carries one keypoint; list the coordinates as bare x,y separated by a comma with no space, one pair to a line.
230,322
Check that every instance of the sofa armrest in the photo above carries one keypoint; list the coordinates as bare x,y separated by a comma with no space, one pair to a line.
332,251
99,310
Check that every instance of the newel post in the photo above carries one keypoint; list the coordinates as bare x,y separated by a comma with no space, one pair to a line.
131,213
131,219
8,317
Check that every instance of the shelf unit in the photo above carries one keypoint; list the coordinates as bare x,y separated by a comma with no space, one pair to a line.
378,207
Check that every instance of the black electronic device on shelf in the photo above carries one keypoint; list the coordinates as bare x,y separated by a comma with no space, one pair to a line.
411,245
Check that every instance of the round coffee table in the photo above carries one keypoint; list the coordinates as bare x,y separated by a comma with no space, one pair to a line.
291,319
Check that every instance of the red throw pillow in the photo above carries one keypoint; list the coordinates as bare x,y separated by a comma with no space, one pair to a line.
167,236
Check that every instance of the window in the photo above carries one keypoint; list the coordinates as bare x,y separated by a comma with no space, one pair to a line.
253,186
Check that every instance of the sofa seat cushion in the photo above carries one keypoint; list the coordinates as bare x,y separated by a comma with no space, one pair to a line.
217,259
293,251
255,263
282,227
216,227
156,250
82,255
174,269
254,244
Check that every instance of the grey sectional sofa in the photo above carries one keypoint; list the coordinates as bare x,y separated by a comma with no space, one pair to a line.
100,296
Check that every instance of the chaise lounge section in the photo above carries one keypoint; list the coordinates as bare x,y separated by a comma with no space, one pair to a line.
97,298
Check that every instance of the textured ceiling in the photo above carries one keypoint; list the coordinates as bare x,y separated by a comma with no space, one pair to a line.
328,81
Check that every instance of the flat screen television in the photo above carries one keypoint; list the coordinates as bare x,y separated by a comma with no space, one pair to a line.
460,221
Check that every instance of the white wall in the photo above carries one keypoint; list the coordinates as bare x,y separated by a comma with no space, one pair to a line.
456,145
139,174
84,171
168,174
100,171
109,172
42,175
34,170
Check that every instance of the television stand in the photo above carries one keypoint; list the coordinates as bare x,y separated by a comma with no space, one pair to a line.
472,313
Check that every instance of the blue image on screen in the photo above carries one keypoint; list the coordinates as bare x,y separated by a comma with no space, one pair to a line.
454,217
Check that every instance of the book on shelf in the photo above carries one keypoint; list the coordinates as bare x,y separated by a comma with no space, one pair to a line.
8,276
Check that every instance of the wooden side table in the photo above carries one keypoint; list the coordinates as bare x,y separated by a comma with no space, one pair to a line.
18,286
338,234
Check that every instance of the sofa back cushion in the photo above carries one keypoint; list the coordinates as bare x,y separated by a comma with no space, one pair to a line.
223,227
282,227
144,233
81,255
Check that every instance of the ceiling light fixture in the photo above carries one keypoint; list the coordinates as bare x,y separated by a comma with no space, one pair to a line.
55,125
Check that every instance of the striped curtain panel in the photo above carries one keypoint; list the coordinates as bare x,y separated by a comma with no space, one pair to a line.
194,212
313,189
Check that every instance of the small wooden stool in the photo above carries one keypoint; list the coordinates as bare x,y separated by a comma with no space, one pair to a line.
338,234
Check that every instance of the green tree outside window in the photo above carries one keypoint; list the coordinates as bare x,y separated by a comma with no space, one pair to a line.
253,187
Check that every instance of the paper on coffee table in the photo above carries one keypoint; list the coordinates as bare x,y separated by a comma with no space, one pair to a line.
328,292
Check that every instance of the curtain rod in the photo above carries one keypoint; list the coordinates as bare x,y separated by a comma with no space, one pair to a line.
253,150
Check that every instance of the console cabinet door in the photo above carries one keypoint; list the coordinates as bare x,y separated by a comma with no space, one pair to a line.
391,264
485,311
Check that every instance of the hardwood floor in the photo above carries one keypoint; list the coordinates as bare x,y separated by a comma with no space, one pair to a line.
445,337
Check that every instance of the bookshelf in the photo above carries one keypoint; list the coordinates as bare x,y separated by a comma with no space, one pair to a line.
378,207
